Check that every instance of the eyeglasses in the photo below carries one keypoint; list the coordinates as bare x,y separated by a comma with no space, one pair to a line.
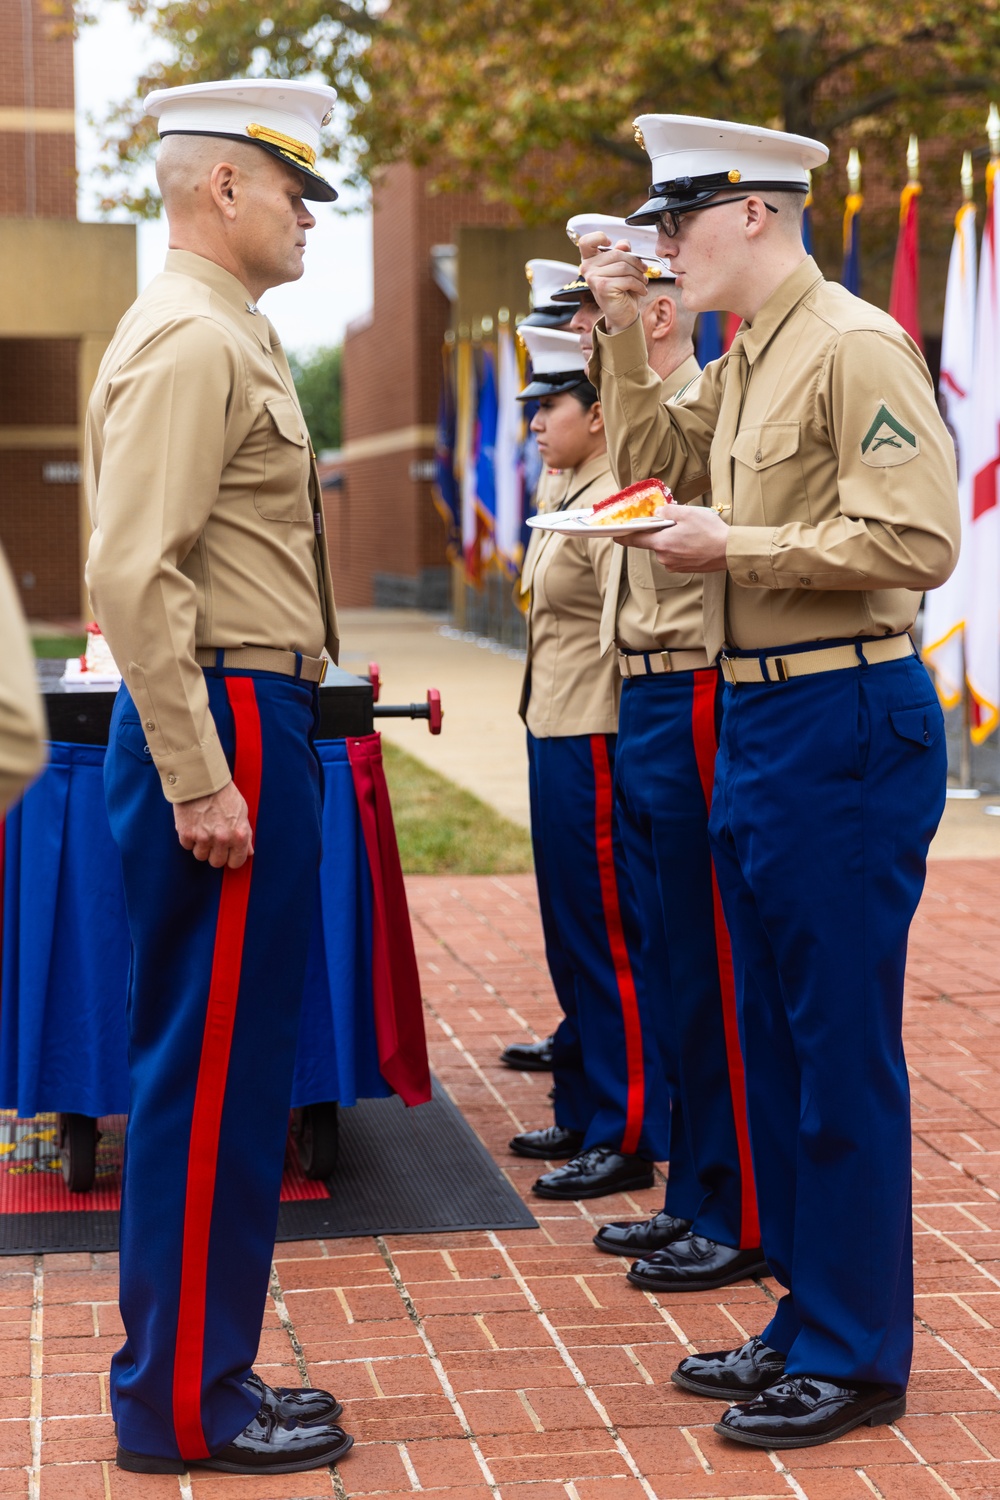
670,220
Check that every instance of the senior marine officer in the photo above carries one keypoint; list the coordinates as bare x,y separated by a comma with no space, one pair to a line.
209,574
834,485
611,1107
707,1234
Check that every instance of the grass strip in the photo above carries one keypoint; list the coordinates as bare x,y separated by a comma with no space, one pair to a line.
443,829
59,645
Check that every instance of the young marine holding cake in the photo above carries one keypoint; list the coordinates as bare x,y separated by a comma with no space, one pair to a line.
831,772
651,632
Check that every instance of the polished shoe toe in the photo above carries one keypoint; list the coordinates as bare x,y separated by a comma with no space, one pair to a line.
695,1264
631,1238
594,1174
529,1057
804,1411
550,1144
267,1445
298,1403
731,1374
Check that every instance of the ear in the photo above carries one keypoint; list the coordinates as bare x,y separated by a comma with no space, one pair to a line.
224,188
595,418
664,316
755,217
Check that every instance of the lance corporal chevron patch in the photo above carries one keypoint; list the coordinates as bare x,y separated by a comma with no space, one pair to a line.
888,441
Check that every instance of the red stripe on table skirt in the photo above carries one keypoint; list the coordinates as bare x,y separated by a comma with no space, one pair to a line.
706,744
399,1015
210,1092
604,812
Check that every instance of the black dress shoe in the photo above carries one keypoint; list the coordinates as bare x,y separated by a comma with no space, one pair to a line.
694,1264
529,1057
267,1445
298,1403
803,1412
732,1374
642,1237
550,1144
594,1174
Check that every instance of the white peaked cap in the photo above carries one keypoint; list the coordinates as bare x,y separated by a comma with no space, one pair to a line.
553,351
693,158
641,237
546,277
284,118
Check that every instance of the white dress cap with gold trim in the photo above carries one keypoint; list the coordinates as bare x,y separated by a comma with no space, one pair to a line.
641,237
694,158
557,362
284,118
544,278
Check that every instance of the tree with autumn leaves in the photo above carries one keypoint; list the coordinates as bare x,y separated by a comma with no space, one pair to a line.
532,100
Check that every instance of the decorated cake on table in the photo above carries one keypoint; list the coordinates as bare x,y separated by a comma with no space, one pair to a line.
96,667
636,503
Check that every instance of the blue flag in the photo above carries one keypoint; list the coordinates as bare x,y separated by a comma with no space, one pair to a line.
486,488
709,344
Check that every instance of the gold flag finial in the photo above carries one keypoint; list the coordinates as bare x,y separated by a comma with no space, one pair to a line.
854,170
913,159
993,130
967,178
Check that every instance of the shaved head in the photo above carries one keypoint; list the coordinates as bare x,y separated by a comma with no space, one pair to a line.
184,166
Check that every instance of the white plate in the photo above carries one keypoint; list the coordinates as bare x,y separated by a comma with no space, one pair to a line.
574,523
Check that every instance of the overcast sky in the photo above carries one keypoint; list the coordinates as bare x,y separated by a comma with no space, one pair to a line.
336,286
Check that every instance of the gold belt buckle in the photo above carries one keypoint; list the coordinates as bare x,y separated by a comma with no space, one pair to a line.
323,664
728,670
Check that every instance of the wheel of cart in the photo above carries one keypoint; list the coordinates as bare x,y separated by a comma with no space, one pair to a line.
78,1137
316,1133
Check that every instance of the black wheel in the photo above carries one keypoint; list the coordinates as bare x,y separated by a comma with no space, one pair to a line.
316,1128
78,1137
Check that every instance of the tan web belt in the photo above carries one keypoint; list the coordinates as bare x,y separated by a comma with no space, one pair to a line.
651,663
264,659
765,668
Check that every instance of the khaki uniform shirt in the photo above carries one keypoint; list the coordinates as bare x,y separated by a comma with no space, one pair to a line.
550,487
22,721
206,507
823,441
646,607
567,688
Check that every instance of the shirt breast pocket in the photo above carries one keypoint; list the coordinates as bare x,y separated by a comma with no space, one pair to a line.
283,493
768,470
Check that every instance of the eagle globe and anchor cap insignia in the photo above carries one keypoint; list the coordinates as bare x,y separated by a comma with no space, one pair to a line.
888,441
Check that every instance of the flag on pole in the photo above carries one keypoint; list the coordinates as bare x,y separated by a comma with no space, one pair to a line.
709,345
982,621
851,275
945,607
466,401
509,492
444,489
733,322
486,426
807,229
904,294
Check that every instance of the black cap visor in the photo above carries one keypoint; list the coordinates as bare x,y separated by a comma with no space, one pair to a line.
315,187
690,192
553,385
550,316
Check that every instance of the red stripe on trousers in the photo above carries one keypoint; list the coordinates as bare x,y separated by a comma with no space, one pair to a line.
705,746
604,843
210,1092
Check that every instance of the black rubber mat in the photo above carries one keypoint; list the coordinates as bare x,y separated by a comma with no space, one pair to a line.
400,1171
407,1171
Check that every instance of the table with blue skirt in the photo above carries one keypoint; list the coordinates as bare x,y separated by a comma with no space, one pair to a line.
65,940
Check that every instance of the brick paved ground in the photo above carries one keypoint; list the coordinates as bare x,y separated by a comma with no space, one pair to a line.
521,1365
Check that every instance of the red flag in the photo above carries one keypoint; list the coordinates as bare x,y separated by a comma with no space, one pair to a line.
733,324
904,298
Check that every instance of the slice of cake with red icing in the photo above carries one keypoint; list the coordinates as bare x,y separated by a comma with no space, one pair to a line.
638,502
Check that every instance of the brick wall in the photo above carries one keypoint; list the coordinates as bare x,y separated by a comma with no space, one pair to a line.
39,517
37,169
382,521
